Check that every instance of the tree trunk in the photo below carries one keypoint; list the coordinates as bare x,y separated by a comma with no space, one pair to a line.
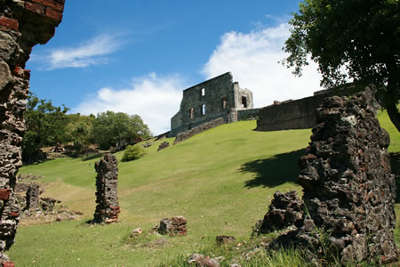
393,112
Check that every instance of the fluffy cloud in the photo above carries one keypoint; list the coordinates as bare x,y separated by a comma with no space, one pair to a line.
155,99
92,52
253,58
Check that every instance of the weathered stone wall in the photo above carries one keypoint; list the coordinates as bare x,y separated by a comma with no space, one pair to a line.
220,95
296,114
23,24
196,130
349,190
248,114
107,208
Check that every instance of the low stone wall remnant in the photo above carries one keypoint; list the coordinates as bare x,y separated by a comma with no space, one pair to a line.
107,208
173,226
198,129
348,187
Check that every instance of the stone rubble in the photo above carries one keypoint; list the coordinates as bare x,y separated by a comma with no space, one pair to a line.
285,210
173,226
107,208
23,24
163,145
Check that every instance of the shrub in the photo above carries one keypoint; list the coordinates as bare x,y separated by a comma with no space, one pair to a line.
133,152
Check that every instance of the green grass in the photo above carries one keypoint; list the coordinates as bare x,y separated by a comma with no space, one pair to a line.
221,180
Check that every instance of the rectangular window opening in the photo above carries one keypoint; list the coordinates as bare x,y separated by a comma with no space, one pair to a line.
203,109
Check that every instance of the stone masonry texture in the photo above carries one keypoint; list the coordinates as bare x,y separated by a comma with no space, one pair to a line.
23,24
348,187
107,208
173,226
296,114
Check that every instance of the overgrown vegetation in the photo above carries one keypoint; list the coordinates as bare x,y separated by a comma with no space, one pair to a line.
133,152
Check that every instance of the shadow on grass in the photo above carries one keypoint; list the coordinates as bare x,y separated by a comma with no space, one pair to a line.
395,164
279,169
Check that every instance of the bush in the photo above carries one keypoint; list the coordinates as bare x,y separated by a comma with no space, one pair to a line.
133,152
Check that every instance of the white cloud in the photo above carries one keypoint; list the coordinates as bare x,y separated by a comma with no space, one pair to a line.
155,99
91,52
253,60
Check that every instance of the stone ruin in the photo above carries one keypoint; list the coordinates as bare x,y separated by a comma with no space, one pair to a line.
107,208
23,24
173,226
163,145
349,191
37,209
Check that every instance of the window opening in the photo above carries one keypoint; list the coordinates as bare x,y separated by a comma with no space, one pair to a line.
244,101
203,109
191,113
224,103
203,91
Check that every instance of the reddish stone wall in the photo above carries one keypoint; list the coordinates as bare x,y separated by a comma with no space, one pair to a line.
23,24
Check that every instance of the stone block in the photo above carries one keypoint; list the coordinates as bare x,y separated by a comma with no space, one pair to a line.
35,8
54,14
9,23
173,226
50,3
4,194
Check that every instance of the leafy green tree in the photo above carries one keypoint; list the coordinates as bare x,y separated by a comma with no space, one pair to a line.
79,131
355,40
45,126
118,129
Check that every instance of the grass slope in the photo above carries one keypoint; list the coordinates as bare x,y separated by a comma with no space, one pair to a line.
221,180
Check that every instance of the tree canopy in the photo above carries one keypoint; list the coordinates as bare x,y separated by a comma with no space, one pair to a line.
45,126
118,129
356,40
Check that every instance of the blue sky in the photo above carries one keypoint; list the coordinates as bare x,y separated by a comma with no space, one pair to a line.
137,56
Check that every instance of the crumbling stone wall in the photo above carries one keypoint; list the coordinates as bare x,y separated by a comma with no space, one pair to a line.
349,190
196,130
107,208
32,197
297,114
23,24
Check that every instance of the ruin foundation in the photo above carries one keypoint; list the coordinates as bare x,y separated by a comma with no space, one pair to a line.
107,208
349,190
23,24
173,226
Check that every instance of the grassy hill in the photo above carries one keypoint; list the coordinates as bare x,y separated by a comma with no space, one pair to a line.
221,180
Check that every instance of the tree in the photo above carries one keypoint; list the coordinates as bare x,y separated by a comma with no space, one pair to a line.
118,129
45,126
355,40
79,131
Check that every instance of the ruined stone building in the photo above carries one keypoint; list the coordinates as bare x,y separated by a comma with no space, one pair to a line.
213,99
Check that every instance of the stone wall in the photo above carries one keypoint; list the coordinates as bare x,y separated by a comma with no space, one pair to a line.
23,24
196,130
348,187
248,114
296,114
107,208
